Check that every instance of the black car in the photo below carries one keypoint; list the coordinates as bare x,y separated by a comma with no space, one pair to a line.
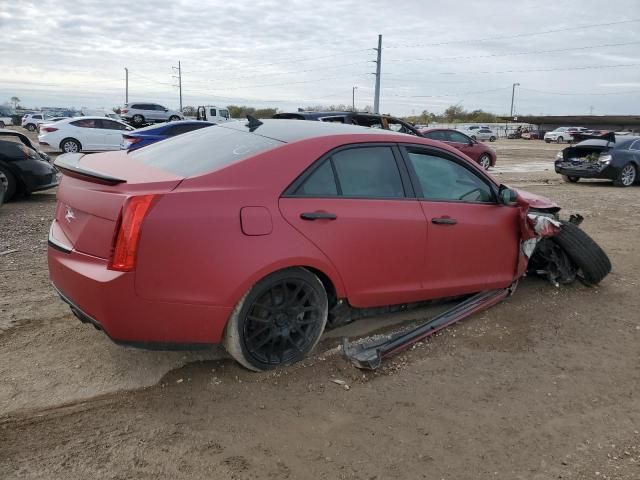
3,187
606,157
372,120
23,169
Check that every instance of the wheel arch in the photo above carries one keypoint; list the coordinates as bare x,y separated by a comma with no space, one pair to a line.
325,272
21,185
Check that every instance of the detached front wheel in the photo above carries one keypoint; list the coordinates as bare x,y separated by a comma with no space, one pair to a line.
591,262
279,321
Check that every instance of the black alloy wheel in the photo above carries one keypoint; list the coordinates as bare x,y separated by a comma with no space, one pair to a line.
279,321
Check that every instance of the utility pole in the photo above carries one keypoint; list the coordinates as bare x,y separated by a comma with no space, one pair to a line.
376,98
353,99
126,85
179,77
513,92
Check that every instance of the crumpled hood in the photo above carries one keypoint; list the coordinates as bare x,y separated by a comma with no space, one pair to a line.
536,201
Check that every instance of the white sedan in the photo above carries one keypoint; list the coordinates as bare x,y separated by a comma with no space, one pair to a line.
87,134
481,133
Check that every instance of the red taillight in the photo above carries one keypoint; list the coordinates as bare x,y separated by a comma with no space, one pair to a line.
124,110
132,140
48,129
127,236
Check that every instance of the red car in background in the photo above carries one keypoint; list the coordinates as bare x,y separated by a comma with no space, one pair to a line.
483,154
258,234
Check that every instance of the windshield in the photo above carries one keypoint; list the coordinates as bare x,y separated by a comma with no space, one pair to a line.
203,151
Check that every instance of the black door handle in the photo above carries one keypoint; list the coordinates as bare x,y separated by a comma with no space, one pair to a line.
318,216
444,221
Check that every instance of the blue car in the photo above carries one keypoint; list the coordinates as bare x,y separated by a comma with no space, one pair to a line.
148,135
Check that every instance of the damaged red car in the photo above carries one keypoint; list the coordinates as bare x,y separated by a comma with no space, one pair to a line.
260,234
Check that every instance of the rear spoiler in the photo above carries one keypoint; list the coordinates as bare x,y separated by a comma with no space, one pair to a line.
69,163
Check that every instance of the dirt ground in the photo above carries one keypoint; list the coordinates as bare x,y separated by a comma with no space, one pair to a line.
545,385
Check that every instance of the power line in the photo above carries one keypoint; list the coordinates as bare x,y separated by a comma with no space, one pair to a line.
285,84
530,52
581,93
463,94
291,60
518,35
136,74
287,73
475,72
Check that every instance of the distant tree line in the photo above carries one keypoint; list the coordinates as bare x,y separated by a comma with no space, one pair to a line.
453,114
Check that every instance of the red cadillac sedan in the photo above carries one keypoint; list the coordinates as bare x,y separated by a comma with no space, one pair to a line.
481,153
256,234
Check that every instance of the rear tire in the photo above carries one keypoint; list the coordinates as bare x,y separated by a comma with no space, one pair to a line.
174,118
627,176
2,125
10,184
570,179
279,321
485,161
592,263
492,139
70,145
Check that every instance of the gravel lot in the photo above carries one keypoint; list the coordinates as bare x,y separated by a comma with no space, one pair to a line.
545,385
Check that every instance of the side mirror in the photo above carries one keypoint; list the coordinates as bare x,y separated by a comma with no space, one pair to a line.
507,195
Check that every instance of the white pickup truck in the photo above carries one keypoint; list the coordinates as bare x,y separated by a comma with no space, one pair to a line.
214,114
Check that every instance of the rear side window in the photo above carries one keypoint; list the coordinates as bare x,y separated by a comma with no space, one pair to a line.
203,151
180,129
458,137
321,183
437,135
212,112
85,123
366,172
111,125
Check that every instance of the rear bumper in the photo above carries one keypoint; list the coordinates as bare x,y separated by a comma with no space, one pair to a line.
586,170
107,299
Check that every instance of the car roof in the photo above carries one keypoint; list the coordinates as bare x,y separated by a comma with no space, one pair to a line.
286,130
93,117
169,124
6,132
440,129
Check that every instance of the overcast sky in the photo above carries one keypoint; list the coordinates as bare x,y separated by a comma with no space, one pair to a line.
290,54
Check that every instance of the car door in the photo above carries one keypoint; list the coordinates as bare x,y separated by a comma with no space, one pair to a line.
463,143
86,131
357,206
472,240
111,133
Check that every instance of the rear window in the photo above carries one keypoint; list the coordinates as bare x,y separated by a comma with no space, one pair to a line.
203,151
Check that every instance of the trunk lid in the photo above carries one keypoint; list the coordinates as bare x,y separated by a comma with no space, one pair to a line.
92,192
